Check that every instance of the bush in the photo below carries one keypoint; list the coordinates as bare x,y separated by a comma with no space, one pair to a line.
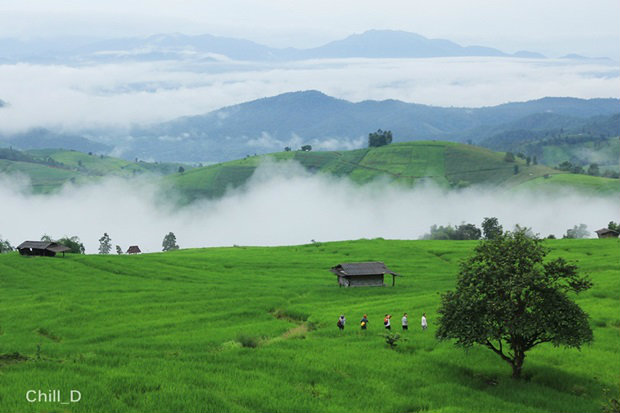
392,339
248,341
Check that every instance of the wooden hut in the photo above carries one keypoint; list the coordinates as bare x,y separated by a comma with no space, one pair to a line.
42,248
134,249
607,233
362,274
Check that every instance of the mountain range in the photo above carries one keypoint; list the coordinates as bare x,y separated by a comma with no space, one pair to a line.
311,117
180,47
327,123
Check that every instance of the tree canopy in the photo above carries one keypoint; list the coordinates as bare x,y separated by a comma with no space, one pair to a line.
379,138
461,232
170,242
74,243
5,246
509,300
578,231
105,244
491,229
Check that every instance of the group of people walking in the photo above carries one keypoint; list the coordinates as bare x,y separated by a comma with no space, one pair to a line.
387,322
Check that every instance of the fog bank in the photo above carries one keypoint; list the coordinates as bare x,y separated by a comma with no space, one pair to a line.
120,95
282,204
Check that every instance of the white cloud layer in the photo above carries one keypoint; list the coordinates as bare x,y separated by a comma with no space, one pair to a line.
282,205
118,95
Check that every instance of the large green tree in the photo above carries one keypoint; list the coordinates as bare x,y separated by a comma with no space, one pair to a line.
491,228
510,300
379,138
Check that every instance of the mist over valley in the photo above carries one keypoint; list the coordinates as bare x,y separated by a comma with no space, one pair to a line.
282,204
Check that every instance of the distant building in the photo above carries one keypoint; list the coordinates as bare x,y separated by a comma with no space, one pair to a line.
134,249
362,274
607,233
42,248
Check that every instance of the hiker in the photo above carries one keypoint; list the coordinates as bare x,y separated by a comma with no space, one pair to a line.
405,322
341,322
386,322
424,324
364,322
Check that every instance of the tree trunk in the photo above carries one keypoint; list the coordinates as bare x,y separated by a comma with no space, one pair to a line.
517,364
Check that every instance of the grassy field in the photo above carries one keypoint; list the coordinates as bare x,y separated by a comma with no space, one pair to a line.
585,184
447,164
43,178
604,152
49,169
249,329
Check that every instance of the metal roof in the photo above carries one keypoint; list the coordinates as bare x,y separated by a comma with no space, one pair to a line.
361,268
39,245
605,231
43,245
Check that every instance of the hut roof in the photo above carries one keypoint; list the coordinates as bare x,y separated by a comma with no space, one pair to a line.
604,231
134,249
361,268
43,245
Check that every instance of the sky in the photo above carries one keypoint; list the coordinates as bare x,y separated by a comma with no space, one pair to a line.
551,27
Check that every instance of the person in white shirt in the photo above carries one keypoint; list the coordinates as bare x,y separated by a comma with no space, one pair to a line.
424,324
386,322
405,322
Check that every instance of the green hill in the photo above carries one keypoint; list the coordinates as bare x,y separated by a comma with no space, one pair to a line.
49,169
254,330
447,164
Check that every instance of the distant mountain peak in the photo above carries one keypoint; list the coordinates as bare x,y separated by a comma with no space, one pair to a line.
375,43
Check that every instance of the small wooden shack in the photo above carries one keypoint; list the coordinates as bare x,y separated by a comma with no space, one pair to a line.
134,249
362,274
42,248
607,233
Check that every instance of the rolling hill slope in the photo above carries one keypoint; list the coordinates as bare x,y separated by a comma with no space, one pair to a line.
446,164
49,169
251,329
450,165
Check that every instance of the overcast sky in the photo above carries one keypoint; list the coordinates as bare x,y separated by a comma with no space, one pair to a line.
552,27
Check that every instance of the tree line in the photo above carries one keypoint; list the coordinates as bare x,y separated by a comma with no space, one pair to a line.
76,246
491,228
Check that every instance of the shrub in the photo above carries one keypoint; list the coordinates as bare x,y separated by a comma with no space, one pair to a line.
392,339
248,341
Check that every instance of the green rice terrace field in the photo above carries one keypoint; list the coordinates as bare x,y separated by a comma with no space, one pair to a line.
446,164
253,329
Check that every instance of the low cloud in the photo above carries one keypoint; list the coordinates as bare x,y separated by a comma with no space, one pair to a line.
282,204
120,95
266,142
